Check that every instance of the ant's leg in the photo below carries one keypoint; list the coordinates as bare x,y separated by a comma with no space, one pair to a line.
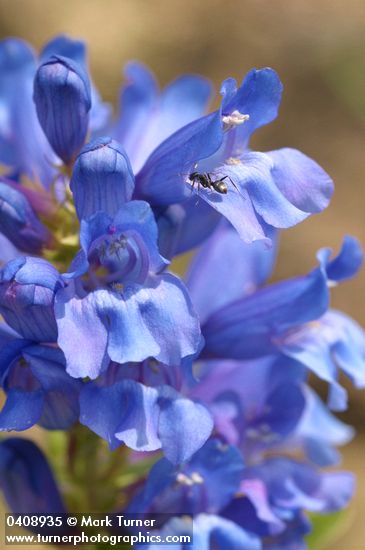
197,200
232,182
211,182
192,186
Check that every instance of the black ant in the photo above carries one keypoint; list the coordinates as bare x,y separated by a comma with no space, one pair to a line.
205,181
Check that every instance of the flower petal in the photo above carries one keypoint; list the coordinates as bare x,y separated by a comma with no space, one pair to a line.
167,308
82,335
185,226
145,418
129,339
301,180
125,412
248,327
27,291
333,341
26,479
62,96
148,118
320,431
8,251
23,145
138,323
210,529
254,174
346,264
22,410
184,426
157,321
204,484
161,180
237,207
210,279
102,178
19,223
259,96
100,112
61,392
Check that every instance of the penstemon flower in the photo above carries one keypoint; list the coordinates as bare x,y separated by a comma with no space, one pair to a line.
178,397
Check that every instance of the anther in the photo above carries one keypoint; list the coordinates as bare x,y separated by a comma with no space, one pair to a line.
234,119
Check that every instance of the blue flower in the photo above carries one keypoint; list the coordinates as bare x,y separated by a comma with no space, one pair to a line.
145,418
27,292
319,432
148,117
265,404
125,245
279,189
212,375
24,147
256,405
100,112
156,320
213,283
206,530
26,479
333,342
267,499
38,389
276,492
134,313
291,318
62,96
102,178
19,223
206,483
184,226
7,250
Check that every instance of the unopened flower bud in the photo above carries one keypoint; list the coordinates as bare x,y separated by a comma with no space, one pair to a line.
102,179
63,100
27,291
19,223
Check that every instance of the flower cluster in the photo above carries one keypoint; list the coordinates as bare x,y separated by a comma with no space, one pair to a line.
208,374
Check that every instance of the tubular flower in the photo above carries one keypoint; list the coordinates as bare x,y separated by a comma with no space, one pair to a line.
62,98
190,399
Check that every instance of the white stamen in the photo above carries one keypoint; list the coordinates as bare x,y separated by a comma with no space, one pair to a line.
233,161
195,478
184,479
234,119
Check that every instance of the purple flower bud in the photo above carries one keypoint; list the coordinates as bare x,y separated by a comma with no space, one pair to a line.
27,290
18,221
63,100
102,178
27,480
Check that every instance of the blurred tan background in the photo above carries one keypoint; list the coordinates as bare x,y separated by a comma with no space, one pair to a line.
318,49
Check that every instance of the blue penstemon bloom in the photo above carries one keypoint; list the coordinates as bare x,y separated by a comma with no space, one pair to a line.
280,188
100,338
290,318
